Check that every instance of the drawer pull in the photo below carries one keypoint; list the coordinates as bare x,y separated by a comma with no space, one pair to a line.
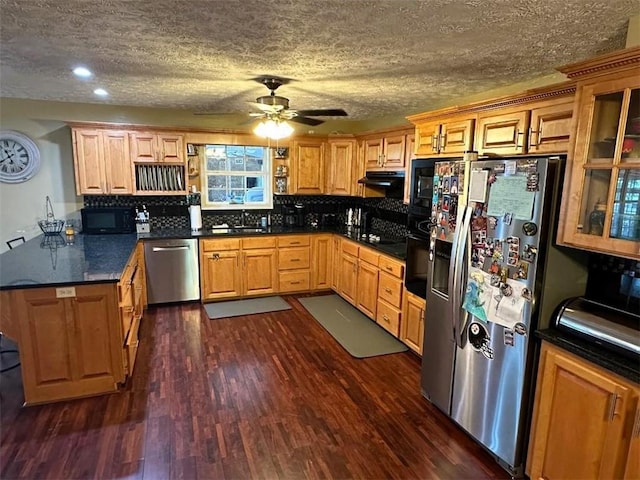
295,283
385,318
389,268
295,259
387,289
294,243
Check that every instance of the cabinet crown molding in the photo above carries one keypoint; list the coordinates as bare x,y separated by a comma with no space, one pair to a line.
628,58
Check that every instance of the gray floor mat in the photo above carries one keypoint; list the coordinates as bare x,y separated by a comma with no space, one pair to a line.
235,308
358,335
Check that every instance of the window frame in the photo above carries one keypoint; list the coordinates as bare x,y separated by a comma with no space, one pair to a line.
266,173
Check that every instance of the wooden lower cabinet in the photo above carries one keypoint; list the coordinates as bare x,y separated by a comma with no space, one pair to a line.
336,263
70,341
220,274
583,420
260,272
348,283
412,325
322,261
367,290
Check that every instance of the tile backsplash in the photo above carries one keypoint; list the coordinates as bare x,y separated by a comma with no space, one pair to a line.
389,216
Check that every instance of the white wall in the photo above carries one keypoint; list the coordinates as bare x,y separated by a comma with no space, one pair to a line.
23,204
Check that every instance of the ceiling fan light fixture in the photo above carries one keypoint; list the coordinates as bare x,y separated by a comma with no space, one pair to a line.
273,129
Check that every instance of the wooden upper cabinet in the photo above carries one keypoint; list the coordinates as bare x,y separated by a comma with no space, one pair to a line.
308,170
385,152
444,137
582,419
155,147
341,159
601,195
394,148
550,128
102,162
502,133
410,154
373,153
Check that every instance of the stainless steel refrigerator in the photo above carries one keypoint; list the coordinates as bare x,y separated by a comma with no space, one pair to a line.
494,275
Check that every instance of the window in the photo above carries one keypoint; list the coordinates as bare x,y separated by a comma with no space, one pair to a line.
236,176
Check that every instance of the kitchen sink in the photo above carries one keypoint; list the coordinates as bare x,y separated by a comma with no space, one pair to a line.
244,229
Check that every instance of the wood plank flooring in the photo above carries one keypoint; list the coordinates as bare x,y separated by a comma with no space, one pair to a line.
268,396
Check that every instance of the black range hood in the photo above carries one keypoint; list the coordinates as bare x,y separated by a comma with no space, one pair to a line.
383,179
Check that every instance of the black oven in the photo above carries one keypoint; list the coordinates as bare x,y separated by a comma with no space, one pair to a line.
419,224
99,220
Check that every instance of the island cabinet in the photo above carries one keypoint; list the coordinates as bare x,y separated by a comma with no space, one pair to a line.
412,325
70,341
132,300
585,421
322,251
234,267
342,155
443,136
601,196
308,169
294,263
102,162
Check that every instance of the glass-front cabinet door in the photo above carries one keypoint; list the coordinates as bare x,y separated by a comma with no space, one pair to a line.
602,204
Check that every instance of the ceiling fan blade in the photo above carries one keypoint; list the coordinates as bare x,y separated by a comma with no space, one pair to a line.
215,113
306,121
327,112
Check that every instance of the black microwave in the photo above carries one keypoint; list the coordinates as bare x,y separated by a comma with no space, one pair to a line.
101,220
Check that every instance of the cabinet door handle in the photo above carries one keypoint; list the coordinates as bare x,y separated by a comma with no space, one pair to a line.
434,142
519,134
443,144
530,137
613,406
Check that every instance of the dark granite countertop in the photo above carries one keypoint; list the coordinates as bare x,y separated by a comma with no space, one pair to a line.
603,357
50,261
392,246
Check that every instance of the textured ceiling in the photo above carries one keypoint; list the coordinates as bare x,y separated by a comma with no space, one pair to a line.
371,58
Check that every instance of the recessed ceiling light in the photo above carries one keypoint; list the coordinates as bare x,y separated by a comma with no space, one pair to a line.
101,92
82,72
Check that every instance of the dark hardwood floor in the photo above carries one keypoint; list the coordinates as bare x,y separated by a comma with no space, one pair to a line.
265,396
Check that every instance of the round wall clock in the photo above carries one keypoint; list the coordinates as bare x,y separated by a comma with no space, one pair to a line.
19,157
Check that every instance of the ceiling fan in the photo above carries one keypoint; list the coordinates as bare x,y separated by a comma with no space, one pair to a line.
275,107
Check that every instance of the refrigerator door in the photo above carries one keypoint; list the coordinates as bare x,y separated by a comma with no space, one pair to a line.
439,345
491,374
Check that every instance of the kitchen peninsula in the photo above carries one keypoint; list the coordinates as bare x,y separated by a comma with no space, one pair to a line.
74,308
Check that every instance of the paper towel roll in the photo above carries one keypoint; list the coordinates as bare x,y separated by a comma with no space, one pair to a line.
195,217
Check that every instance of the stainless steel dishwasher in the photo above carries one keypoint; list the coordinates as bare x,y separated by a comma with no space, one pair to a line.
172,270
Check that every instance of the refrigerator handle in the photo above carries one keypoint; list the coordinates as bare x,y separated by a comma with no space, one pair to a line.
453,273
459,283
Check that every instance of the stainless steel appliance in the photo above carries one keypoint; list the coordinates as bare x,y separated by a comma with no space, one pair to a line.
611,328
494,275
101,220
172,270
